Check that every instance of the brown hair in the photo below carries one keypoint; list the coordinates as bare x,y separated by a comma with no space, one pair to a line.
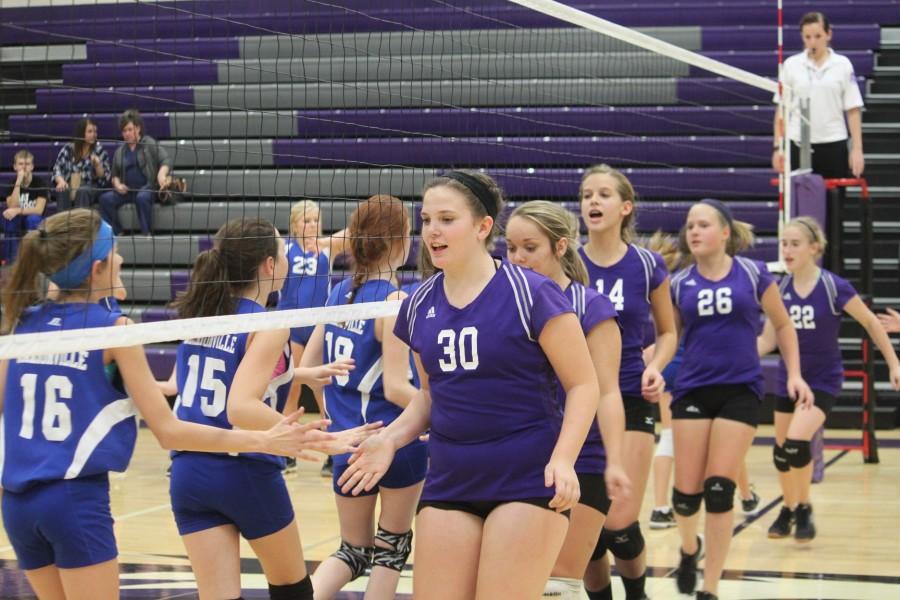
815,17
626,192
667,247
376,230
53,245
812,231
224,271
557,223
131,116
740,236
78,141
475,205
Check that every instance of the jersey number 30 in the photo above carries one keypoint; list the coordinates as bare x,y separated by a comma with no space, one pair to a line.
459,349
56,424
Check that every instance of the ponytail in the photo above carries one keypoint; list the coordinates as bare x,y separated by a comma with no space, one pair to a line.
23,288
208,292
225,271
53,246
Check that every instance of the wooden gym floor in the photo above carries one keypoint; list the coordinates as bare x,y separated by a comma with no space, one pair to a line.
857,511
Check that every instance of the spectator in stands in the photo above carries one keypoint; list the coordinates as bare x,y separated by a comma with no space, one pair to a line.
140,167
81,169
827,79
25,204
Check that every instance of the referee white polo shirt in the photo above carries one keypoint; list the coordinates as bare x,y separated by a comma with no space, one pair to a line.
832,90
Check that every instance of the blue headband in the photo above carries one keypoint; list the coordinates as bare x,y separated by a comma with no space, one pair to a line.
73,274
722,208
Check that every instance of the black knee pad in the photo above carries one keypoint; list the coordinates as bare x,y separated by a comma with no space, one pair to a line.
302,590
394,556
599,549
780,458
798,453
686,504
718,493
627,543
358,558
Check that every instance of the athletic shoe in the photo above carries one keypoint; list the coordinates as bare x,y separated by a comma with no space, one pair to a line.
290,465
662,519
686,576
817,448
750,505
806,528
706,596
327,467
782,526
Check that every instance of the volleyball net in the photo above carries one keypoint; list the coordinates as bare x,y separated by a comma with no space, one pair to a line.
260,105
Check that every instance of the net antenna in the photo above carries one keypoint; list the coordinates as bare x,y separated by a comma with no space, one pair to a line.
648,42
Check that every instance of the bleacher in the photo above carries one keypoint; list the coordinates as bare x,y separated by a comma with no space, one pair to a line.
266,102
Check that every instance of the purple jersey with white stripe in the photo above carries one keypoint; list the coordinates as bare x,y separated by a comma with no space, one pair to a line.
817,319
628,284
591,308
495,415
719,322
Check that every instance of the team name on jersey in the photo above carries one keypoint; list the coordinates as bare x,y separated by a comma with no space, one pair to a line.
226,343
354,326
73,360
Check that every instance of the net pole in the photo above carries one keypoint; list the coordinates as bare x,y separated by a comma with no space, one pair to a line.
783,177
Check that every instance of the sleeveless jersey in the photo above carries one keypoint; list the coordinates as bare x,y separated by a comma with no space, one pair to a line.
358,397
205,369
591,308
720,320
628,284
817,319
62,418
307,283
495,415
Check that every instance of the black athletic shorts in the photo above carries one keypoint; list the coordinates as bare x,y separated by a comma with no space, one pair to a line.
593,492
482,508
823,400
830,160
732,402
638,414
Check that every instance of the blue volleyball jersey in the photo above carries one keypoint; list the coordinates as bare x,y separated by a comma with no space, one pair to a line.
308,281
358,397
205,369
817,319
62,418
495,415
719,321
591,308
628,284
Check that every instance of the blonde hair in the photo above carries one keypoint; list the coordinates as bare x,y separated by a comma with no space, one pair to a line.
811,230
24,155
740,236
666,246
625,191
299,210
472,200
557,223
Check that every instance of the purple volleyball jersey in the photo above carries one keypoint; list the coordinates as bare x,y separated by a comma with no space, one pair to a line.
495,415
628,284
817,319
591,308
719,321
